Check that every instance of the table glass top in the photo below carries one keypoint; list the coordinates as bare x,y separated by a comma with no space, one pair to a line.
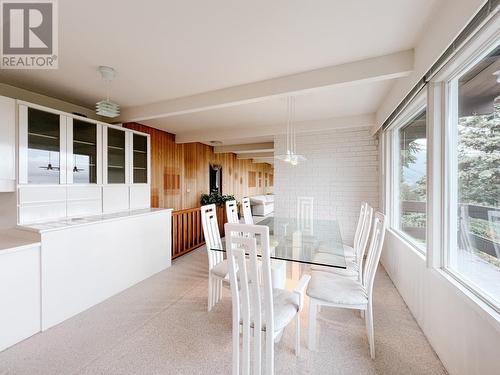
318,242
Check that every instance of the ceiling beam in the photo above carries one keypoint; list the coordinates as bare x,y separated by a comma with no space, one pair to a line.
385,67
242,149
367,120
263,160
253,155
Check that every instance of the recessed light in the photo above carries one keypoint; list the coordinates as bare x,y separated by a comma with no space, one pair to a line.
215,143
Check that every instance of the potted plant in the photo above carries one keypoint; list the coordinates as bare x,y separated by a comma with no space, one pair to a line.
216,198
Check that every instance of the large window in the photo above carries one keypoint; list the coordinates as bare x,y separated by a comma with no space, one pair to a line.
412,179
474,251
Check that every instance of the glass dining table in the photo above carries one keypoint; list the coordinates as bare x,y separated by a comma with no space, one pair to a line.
317,242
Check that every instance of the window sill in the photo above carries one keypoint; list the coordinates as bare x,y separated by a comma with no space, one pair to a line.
409,242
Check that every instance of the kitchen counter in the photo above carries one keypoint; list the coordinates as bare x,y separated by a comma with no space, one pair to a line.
13,239
79,221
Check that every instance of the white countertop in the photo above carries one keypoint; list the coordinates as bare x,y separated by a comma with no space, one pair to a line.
16,239
86,220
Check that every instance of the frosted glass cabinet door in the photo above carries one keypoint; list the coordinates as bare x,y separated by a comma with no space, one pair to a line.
140,159
116,156
43,147
84,163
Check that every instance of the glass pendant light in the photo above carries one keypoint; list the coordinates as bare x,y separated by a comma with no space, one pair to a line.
291,155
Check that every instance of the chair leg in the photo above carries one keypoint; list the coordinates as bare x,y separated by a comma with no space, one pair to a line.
269,353
297,334
210,293
369,329
219,291
313,310
236,345
257,351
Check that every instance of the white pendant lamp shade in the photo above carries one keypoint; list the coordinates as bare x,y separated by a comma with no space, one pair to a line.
291,155
106,107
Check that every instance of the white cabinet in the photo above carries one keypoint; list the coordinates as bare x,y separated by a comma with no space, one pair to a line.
73,166
82,265
140,172
7,144
42,147
116,155
140,158
55,148
19,293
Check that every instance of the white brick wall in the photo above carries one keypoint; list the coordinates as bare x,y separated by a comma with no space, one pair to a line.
341,171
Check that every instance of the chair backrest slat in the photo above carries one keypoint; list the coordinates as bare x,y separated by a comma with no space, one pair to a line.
364,237
374,252
359,225
232,212
252,295
247,211
211,234
305,214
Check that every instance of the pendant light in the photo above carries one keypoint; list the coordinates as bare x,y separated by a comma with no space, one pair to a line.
291,155
106,107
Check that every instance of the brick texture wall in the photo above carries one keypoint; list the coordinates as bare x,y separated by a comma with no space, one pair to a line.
341,171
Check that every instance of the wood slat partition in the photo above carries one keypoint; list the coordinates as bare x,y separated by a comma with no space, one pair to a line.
187,231
180,172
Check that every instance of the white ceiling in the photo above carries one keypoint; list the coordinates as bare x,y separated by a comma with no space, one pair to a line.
168,49
164,49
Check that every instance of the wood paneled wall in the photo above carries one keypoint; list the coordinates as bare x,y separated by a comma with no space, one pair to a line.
180,172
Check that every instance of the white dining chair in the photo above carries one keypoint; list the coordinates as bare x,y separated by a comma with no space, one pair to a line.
327,289
351,251
247,211
353,263
217,265
305,215
232,212
257,307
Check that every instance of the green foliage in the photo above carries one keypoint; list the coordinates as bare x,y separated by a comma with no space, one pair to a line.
479,159
215,198
413,220
409,154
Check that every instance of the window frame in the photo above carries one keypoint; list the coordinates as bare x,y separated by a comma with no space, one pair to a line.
443,105
418,104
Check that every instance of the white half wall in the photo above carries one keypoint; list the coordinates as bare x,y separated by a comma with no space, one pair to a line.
341,171
465,337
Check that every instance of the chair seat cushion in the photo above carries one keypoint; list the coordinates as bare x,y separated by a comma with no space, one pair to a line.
285,305
351,269
349,251
328,258
336,289
221,269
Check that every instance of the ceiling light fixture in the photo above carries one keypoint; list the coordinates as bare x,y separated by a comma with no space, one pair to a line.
291,155
106,107
497,74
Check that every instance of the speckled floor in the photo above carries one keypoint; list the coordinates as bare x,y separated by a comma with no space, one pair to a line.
161,326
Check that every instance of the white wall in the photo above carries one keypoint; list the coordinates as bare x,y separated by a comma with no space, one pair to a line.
465,337
464,332
8,210
47,101
341,171
448,19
